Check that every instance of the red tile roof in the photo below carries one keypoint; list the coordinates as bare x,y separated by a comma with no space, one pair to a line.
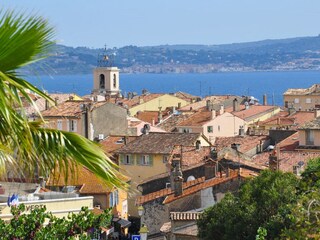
159,143
113,143
189,188
252,112
197,119
69,109
138,99
246,142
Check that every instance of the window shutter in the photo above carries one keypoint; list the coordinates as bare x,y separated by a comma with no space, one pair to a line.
75,125
68,125
151,160
121,156
111,199
138,159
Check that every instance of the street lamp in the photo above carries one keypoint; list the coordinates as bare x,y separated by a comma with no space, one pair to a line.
143,228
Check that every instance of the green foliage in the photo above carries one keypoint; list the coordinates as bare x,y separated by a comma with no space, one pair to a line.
261,233
39,224
24,146
311,175
263,201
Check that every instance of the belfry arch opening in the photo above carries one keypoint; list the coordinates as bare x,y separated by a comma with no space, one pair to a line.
102,81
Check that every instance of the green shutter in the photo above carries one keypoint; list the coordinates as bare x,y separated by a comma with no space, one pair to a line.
121,157
137,158
151,160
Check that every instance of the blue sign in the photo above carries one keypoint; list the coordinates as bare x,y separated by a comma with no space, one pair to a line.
135,237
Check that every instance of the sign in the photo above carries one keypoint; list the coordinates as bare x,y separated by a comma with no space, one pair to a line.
135,237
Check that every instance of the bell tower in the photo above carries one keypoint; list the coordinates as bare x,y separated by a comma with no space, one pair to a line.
106,77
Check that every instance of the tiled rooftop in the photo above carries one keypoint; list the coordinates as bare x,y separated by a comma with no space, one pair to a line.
190,156
113,143
215,100
246,142
189,188
252,111
138,99
151,116
88,182
197,119
69,109
185,96
314,124
159,143
284,119
314,89
170,123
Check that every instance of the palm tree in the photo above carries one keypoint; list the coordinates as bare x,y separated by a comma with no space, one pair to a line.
27,145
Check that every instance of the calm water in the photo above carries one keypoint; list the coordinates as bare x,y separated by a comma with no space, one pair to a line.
243,83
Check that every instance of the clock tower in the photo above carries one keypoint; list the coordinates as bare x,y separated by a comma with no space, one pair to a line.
106,77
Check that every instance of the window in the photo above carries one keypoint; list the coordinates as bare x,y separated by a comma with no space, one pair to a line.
209,129
72,125
309,137
128,159
101,81
308,100
219,128
145,160
113,198
165,159
296,100
114,80
59,124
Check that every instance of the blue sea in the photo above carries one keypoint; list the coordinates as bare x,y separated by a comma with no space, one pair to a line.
239,83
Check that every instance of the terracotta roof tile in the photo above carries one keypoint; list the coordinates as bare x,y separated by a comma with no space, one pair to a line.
197,119
252,111
185,96
314,89
196,188
113,143
69,109
159,143
246,142
314,124
88,182
170,123
138,99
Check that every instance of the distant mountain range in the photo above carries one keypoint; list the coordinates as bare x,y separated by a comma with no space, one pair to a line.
301,53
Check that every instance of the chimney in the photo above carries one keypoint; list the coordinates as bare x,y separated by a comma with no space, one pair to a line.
141,100
179,105
71,97
317,113
241,131
221,110
198,145
210,170
159,115
209,105
213,114
152,122
265,99
235,105
56,101
235,146
291,110
177,180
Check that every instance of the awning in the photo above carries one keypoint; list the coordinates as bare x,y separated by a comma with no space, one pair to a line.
124,223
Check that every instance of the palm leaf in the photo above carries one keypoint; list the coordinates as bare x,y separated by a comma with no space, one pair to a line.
24,146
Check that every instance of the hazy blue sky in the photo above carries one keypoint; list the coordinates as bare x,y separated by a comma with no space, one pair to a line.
93,23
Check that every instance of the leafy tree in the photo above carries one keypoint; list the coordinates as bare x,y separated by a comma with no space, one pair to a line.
263,201
24,145
39,224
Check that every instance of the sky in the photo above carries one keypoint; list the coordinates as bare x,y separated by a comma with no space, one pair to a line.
118,23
